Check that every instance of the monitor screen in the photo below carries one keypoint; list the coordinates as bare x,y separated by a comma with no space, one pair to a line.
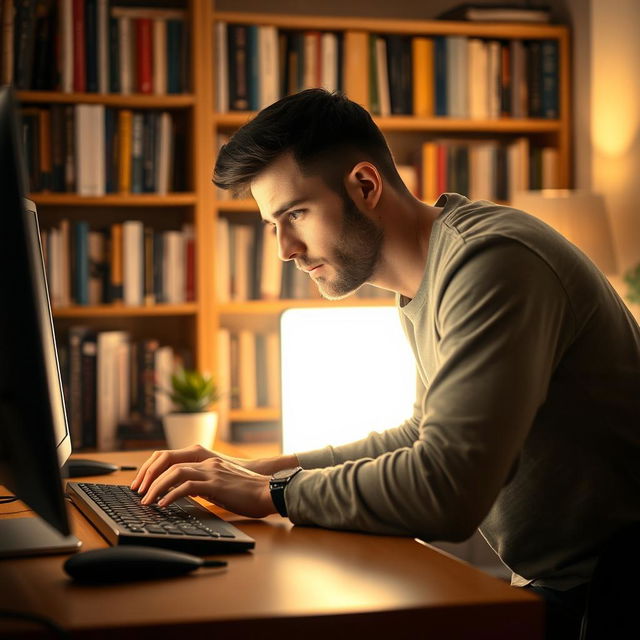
34,435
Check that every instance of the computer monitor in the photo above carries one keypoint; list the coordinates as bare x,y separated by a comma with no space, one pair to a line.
34,435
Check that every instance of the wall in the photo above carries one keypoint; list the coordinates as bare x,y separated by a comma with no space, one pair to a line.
615,119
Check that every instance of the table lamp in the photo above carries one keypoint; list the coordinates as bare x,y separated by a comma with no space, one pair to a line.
580,216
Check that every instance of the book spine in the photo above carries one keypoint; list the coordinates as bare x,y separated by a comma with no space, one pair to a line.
91,43
144,59
114,55
549,80
356,67
115,264
7,39
103,46
440,72
125,125
422,54
238,68
79,47
81,270
159,56
133,262
174,54
89,391
24,43
253,68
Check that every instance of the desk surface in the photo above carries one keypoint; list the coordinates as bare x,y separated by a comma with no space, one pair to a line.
298,579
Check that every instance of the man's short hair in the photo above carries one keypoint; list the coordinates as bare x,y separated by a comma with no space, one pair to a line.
325,131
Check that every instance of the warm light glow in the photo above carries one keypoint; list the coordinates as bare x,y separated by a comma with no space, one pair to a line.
580,216
615,91
345,372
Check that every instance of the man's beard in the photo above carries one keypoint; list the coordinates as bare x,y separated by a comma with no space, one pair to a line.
355,255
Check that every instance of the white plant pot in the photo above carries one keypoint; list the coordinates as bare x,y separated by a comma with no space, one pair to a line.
186,429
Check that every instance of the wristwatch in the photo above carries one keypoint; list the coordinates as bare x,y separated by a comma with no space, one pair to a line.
279,480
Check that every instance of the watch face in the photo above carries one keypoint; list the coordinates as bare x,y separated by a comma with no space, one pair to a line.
283,474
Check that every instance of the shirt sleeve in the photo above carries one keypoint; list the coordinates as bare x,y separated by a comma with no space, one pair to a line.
501,321
374,445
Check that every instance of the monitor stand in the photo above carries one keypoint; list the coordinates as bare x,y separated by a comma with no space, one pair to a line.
32,537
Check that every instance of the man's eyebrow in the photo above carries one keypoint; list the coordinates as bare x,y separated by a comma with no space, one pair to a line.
285,207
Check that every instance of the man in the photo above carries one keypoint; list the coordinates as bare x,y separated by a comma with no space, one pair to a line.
527,415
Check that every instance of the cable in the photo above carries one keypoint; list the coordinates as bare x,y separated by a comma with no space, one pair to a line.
50,625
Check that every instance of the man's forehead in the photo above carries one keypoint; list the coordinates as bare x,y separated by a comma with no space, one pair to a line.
280,183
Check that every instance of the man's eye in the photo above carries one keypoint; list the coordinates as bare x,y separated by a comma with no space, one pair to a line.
294,215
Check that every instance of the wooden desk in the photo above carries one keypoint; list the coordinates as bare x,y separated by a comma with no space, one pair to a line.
312,582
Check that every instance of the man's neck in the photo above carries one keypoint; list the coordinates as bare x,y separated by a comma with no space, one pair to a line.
407,227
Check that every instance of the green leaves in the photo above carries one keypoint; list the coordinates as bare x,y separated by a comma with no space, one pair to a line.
193,391
632,278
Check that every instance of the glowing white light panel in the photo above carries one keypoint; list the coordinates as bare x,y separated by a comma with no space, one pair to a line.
346,371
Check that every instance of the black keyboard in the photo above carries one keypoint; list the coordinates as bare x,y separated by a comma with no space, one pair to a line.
185,525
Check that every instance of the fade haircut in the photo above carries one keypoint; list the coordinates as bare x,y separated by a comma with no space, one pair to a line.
326,132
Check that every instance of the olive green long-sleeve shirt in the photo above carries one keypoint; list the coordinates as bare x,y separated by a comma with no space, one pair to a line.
526,422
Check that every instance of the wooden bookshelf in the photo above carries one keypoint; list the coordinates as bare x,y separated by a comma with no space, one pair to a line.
198,322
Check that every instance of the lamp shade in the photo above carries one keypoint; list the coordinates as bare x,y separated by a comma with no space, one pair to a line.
580,216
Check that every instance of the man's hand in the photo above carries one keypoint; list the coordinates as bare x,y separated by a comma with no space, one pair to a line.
222,482
160,461
237,484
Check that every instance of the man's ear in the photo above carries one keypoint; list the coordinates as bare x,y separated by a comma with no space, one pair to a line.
364,185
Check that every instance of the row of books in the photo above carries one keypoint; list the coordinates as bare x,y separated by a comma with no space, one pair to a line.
481,169
127,262
248,267
390,74
110,380
248,372
92,150
94,46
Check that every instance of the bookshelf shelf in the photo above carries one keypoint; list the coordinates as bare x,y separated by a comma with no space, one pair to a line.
266,414
123,311
115,200
236,119
271,307
140,101
409,27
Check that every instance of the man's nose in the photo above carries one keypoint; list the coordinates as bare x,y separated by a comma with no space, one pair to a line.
289,245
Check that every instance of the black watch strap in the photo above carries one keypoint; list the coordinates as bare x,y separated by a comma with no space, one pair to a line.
277,485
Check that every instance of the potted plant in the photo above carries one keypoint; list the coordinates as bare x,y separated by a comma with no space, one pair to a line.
632,278
192,422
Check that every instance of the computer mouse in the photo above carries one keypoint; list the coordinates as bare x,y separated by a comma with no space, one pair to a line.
131,563
79,467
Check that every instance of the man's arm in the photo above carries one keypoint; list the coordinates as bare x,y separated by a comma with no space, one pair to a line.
502,325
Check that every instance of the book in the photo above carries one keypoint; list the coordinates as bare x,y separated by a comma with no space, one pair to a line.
133,262
423,80
549,79
174,272
478,74
330,62
159,56
7,39
79,47
90,149
144,55
81,262
24,43
382,75
457,77
91,44
237,41
224,383
440,73
108,387
268,69
103,45
222,262
356,67
400,74
76,336
125,125
116,264
497,13
247,369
